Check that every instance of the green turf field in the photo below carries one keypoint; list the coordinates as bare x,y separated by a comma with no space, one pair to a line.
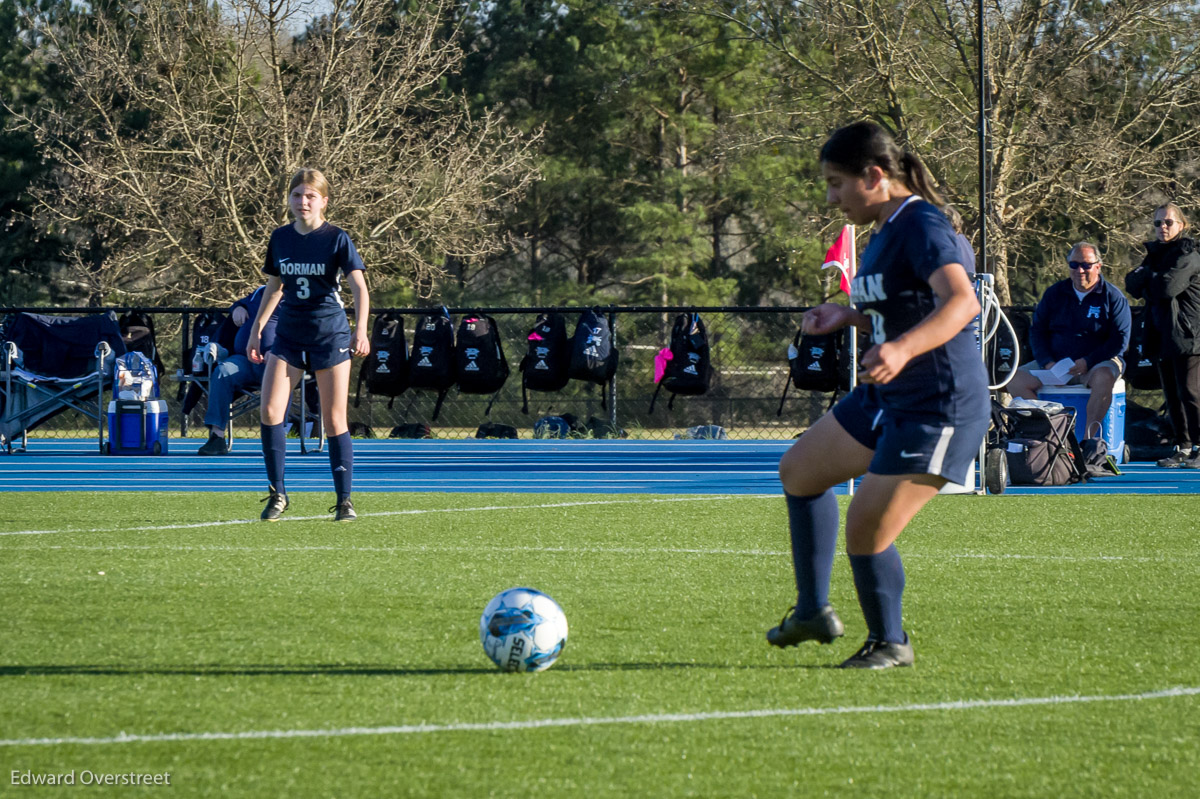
1056,642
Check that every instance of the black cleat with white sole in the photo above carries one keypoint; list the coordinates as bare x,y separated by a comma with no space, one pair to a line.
277,503
344,511
824,626
881,655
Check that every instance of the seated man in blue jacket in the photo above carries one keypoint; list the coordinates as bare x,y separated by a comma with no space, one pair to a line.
1085,319
235,372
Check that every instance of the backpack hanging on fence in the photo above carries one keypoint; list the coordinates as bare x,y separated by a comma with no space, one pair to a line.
482,367
544,367
593,357
1142,370
431,362
817,363
385,370
137,331
685,366
207,327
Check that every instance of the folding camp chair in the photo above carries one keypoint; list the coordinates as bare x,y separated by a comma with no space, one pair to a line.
309,423
1035,444
52,364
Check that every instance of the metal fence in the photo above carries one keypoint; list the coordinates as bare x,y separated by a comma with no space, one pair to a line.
749,359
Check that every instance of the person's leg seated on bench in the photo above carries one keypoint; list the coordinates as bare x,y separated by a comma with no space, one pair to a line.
234,374
1101,379
1023,383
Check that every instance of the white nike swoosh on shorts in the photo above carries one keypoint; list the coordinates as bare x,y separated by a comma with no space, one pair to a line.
904,454
343,349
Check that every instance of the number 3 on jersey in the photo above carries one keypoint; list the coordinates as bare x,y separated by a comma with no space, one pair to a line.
302,292
877,334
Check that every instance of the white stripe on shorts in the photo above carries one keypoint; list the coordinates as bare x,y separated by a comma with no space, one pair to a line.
939,451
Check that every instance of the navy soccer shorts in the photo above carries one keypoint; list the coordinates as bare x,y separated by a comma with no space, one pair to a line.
912,444
329,353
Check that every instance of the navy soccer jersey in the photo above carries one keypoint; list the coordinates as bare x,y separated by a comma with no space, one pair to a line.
311,268
892,289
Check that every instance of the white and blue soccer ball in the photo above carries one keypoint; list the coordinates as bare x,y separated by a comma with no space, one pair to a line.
523,630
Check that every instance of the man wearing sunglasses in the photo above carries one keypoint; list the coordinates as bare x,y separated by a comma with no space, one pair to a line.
1084,319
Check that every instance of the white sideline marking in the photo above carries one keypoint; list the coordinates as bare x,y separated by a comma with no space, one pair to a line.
585,721
571,550
413,512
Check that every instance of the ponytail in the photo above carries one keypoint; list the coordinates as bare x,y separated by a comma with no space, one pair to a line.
917,178
857,147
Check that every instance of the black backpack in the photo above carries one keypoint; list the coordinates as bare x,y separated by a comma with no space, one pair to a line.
431,362
544,367
817,363
385,370
593,357
688,368
482,367
137,331
1141,371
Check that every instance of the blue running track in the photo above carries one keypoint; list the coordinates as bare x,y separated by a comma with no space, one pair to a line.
605,467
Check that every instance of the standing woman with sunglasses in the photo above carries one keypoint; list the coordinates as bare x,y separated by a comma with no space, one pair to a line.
1168,279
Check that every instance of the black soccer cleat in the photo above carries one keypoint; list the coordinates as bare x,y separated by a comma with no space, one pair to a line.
1178,458
344,511
881,655
277,503
823,627
214,446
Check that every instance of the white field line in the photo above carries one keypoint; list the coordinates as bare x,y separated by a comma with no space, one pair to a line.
567,550
593,721
414,512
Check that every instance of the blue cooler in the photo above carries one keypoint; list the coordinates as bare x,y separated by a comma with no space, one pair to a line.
137,427
1114,422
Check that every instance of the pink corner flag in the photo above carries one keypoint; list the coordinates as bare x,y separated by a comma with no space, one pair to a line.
839,255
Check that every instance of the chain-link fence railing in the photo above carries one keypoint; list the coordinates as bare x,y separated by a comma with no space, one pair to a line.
749,359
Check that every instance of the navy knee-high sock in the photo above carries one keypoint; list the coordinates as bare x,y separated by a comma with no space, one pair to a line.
274,444
341,463
813,522
879,580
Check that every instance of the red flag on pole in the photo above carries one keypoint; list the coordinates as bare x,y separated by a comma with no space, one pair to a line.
841,255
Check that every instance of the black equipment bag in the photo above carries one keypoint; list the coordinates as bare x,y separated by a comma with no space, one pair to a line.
817,363
431,363
1040,445
1141,371
480,362
495,430
593,356
688,368
544,367
385,370
1004,351
411,430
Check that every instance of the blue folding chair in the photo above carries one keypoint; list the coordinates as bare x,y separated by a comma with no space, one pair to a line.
51,364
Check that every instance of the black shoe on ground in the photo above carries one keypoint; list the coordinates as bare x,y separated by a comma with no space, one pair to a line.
1175,460
214,446
881,655
344,511
823,627
1192,461
277,503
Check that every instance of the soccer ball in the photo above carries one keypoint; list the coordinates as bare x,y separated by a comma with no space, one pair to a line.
523,630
